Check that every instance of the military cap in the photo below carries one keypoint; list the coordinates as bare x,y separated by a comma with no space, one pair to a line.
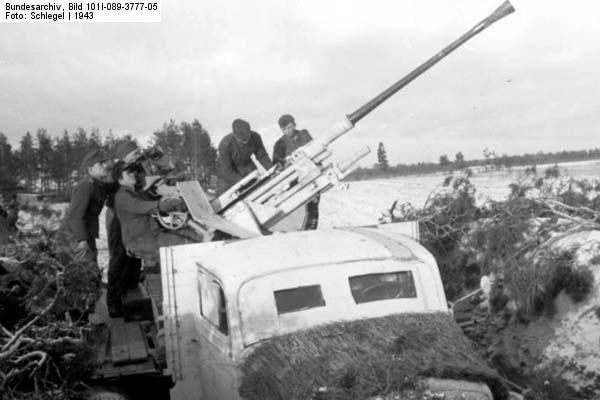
285,120
240,126
92,158
127,151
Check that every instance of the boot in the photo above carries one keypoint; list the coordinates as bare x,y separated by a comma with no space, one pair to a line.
115,307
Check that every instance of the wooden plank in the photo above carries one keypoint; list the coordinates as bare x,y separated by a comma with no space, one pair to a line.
195,199
102,350
200,209
114,371
153,286
118,343
136,342
133,295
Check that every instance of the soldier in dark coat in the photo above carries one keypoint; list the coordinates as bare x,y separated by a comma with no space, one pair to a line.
291,140
76,238
79,229
235,151
13,213
142,235
123,270
4,239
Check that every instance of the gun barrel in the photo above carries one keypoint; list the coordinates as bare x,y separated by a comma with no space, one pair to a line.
345,165
505,9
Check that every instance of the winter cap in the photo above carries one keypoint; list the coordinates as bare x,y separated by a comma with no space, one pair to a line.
127,151
116,170
240,126
91,158
285,120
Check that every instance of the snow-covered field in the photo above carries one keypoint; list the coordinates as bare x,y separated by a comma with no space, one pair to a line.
362,203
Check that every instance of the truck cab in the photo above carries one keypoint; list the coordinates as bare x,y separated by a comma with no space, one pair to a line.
222,299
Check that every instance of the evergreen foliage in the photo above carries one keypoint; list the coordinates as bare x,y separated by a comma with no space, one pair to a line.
382,158
364,358
189,145
512,238
47,164
46,350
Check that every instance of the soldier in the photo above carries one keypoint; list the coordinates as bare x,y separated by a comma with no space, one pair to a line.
4,239
235,151
142,235
123,270
80,226
13,213
291,140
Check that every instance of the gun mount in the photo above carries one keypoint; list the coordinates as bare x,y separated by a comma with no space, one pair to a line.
219,299
264,197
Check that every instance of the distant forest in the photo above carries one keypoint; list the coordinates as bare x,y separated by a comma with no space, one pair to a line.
51,165
489,161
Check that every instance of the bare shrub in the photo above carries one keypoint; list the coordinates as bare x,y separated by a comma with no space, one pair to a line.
44,351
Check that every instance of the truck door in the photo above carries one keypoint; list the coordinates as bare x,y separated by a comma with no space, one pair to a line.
218,368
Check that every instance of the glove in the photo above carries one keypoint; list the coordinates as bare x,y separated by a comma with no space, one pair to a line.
167,205
82,249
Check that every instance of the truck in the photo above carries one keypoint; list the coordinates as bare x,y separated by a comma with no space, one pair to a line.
219,302
199,325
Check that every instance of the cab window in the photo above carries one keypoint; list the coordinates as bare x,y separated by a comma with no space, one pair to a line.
298,299
213,306
375,287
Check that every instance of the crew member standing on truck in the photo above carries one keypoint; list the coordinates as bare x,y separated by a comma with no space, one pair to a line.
3,223
79,229
235,151
291,140
123,270
13,213
141,233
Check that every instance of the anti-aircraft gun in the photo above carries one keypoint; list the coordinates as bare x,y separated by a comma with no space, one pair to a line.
255,204
222,300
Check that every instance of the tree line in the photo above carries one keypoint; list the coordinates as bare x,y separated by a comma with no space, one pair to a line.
52,164
490,161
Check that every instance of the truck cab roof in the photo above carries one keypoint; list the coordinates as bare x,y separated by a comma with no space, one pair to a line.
283,283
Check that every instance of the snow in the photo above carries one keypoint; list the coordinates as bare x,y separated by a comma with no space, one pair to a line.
576,339
363,202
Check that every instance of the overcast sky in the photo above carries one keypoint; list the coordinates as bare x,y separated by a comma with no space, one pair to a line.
531,82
